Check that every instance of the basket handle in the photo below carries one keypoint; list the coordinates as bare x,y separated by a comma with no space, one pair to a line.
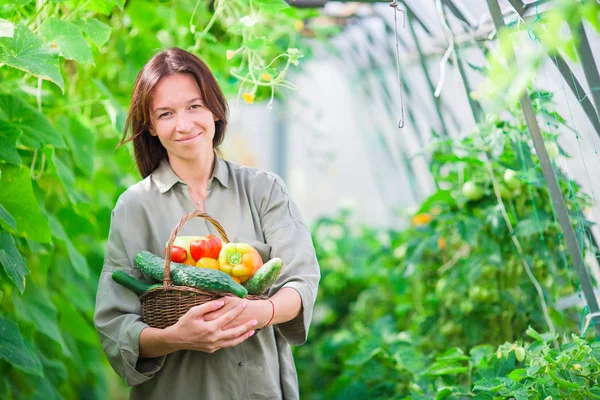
175,231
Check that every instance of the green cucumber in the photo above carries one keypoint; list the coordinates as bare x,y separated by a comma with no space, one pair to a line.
136,286
153,265
264,277
209,280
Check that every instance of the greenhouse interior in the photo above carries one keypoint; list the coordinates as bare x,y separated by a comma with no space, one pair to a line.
443,155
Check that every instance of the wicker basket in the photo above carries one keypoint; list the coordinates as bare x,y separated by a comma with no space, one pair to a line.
162,306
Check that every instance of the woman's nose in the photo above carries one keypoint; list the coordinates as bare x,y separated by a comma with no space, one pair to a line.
184,123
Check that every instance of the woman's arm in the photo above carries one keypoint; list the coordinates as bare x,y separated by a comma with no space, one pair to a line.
286,305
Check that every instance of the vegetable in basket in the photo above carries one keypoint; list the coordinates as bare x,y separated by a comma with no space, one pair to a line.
208,280
239,260
190,249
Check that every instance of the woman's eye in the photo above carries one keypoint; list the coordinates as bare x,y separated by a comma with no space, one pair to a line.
194,106
164,114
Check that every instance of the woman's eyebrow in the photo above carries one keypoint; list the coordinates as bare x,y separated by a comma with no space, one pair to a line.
189,101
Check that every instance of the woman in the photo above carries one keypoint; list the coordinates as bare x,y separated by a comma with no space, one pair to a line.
176,121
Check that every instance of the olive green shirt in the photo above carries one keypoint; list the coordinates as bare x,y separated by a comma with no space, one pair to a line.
253,207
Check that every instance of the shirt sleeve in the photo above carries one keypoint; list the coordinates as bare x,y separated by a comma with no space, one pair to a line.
117,316
290,240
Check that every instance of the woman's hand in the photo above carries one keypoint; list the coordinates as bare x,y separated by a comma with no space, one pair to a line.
257,310
283,306
194,331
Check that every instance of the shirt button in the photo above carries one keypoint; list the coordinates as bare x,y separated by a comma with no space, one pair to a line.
241,364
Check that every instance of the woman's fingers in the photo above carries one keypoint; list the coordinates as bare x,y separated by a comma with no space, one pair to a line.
202,309
233,337
229,315
230,303
234,342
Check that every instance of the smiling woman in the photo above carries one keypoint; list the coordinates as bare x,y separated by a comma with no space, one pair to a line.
228,348
183,124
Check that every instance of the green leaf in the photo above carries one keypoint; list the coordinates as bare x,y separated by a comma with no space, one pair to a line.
81,141
73,323
489,386
533,369
85,299
11,259
27,52
104,7
518,375
18,199
543,337
469,229
78,261
13,350
45,389
68,39
447,370
443,393
8,143
364,355
530,226
271,6
256,44
442,197
452,355
36,308
7,29
595,391
98,32
36,130
66,176
6,217
116,112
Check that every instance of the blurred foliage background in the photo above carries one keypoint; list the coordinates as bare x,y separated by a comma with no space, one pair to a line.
448,307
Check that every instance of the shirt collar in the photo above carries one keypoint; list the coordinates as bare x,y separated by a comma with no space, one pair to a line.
165,178
220,172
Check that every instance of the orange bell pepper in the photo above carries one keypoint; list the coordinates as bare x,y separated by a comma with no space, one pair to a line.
239,260
206,262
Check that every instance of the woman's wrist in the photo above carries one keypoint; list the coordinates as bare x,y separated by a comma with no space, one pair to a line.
270,307
156,342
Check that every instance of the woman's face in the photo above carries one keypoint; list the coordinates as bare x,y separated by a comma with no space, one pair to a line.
180,119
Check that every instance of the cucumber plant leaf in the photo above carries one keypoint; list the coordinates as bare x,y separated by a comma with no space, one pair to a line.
81,141
7,218
34,307
11,259
36,130
13,349
67,39
78,261
18,199
8,143
96,31
27,52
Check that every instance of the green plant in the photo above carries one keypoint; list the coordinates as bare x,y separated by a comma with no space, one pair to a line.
66,73
392,303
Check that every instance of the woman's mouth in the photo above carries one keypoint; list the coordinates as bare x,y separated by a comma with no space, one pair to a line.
188,138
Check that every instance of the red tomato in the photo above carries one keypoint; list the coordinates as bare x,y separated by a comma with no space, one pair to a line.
208,246
178,254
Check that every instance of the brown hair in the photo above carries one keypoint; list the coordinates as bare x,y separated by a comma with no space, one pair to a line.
147,148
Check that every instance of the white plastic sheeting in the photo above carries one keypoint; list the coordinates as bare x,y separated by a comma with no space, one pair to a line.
343,146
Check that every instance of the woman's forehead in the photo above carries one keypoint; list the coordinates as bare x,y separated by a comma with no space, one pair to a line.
175,88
